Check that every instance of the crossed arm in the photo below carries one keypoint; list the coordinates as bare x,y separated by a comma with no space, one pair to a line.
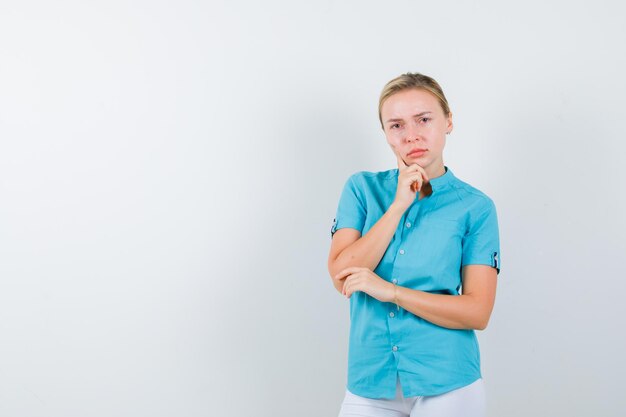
353,257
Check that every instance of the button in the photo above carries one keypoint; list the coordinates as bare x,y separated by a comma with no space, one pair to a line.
395,348
392,315
408,224
395,281
401,251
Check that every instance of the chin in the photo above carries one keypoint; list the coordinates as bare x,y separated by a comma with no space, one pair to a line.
421,160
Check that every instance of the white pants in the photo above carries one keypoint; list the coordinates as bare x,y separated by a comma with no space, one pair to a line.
467,401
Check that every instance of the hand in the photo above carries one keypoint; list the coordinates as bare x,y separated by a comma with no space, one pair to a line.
363,279
411,178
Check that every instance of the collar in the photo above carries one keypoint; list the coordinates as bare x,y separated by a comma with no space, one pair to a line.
442,181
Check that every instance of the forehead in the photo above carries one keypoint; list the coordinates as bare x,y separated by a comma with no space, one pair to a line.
410,102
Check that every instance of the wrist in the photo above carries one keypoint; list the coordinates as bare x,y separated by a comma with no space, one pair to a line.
394,295
397,208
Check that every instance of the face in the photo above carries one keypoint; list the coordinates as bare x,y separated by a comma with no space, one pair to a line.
415,126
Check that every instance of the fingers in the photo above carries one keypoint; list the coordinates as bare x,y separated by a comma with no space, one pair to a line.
416,186
349,286
423,172
343,274
351,272
402,165
344,288
418,179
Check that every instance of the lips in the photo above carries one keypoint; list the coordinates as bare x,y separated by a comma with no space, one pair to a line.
416,152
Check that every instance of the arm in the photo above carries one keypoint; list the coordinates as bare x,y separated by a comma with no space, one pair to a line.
471,310
348,248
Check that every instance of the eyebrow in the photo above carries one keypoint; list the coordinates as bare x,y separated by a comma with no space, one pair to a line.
415,115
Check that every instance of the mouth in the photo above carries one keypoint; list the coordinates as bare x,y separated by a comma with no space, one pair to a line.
416,153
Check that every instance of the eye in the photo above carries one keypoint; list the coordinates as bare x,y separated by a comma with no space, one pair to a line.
394,126
425,119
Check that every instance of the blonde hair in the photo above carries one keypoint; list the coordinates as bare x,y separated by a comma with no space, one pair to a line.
409,81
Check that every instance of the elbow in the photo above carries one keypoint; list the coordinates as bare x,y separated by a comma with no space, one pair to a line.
338,285
480,314
332,268
332,271
481,324
336,265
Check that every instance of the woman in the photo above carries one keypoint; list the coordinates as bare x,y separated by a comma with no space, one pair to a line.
404,243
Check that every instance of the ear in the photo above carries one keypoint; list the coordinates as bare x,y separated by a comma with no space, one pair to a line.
449,124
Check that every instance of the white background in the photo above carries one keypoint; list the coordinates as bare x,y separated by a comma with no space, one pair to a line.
170,170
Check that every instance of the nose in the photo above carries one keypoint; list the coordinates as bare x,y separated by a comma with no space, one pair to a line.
412,133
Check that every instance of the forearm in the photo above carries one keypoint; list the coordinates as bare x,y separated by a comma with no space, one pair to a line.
450,311
369,249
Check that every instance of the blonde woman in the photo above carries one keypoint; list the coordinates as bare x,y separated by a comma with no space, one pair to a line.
416,250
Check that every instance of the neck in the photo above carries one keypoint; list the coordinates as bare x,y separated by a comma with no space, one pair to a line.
434,172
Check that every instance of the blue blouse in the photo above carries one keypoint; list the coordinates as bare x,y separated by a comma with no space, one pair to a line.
437,235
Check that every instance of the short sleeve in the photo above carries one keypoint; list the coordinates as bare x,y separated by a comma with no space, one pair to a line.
351,210
481,244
